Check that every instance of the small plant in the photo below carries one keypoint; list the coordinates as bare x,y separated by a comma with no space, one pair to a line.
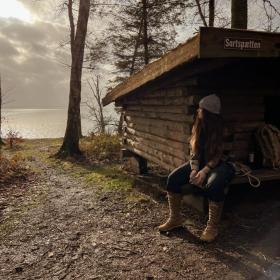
12,169
102,147
13,138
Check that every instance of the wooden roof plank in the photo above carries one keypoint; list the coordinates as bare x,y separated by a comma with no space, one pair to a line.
182,53
211,42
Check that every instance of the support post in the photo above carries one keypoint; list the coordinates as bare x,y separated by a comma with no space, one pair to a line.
134,162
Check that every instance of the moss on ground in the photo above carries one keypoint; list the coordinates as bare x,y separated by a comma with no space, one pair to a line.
110,178
107,177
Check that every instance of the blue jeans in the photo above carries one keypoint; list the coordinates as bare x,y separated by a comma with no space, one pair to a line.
214,187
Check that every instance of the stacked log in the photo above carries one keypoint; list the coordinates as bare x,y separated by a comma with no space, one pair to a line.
157,126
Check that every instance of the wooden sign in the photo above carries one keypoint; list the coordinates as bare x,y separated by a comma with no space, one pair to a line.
228,43
242,44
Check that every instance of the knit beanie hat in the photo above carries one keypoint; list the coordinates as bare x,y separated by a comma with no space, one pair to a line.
211,103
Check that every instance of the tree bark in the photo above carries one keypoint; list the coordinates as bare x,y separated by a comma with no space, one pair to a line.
239,14
145,32
100,106
211,12
70,146
72,43
136,47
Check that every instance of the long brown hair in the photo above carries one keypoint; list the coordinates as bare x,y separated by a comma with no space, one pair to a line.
211,126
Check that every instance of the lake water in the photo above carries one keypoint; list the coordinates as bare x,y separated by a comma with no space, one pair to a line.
40,123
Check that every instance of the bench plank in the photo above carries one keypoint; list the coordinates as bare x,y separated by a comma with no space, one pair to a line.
262,174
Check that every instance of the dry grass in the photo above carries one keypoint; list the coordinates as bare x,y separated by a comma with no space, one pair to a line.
101,147
12,169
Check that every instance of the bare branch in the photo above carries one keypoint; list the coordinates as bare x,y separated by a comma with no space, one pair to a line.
94,104
202,16
271,6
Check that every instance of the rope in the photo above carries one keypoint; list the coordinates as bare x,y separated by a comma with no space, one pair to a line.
243,170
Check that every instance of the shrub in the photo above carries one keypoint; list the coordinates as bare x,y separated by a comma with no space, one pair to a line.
102,147
13,138
12,169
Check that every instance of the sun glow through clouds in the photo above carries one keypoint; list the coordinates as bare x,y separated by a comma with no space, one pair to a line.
14,9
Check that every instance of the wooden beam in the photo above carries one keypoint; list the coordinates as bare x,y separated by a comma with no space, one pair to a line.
263,174
180,153
152,158
183,118
158,139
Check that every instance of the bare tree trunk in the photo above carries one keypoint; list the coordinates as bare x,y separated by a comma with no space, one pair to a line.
239,14
202,16
95,106
99,103
211,12
120,124
145,32
98,99
136,47
72,43
70,144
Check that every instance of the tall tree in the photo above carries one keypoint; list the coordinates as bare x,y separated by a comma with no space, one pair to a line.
200,12
142,31
211,12
70,144
239,14
208,13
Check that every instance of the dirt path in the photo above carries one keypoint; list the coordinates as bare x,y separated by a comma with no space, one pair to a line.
61,228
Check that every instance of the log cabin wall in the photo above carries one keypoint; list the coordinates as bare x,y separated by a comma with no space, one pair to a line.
242,115
158,120
157,125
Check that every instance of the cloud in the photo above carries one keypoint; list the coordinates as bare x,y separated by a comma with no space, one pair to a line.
31,55
7,48
29,63
46,10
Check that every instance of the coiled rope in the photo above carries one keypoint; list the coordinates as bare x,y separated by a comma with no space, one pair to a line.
243,170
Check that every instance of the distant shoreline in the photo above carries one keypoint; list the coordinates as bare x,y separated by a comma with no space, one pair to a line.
33,123
13,108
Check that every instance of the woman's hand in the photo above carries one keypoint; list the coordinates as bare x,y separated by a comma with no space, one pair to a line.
199,178
192,175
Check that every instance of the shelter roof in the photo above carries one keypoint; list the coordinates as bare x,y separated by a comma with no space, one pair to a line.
211,43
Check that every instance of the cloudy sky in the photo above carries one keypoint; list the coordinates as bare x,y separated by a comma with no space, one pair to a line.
31,56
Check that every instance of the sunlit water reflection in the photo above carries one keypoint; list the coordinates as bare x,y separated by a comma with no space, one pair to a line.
40,123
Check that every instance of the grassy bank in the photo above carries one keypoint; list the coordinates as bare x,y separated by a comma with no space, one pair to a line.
99,167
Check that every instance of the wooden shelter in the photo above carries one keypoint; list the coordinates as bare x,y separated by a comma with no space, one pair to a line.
159,102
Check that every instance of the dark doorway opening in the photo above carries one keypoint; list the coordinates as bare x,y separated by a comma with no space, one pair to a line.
272,110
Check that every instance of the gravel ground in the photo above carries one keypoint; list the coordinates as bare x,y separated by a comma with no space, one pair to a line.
55,226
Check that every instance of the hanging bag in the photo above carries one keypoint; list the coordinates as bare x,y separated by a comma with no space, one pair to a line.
268,140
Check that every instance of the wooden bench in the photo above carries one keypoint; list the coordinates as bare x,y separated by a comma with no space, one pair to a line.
264,175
